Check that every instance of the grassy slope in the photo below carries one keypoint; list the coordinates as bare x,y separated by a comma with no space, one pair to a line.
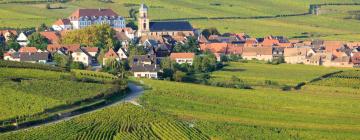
328,26
256,73
259,114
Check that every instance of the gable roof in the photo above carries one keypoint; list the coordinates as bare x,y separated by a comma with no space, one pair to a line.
28,50
251,51
288,52
93,12
91,49
214,47
34,56
174,56
145,68
62,22
3,32
111,54
53,47
51,36
170,26
72,48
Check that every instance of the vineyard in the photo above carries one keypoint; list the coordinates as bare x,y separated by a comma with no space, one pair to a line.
262,113
26,94
347,79
119,122
265,75
97,76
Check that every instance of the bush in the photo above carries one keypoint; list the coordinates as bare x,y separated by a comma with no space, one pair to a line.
13,64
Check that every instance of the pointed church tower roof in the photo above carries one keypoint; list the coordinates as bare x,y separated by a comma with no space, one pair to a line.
143,7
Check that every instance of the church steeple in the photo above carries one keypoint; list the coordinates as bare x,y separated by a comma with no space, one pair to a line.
143,21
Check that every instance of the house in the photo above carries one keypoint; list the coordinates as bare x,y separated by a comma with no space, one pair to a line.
258,53
38,57
356,59
122,54
145,70
182,58
110,55
22,39
297,55
278,52
8,33
251,42
53,47
173,28
145,59
339,59
28,50
82,18
145,66
214,47
12,55
62,24
81,55
51,36
91,50
269,41
318,59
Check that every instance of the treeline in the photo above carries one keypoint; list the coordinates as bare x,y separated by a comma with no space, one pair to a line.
32,2
13,64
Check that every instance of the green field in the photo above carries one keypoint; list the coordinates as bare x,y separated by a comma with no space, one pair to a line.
255,74
25,92
330,25
226,113
120,122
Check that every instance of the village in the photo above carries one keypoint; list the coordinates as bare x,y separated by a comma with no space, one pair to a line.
178,41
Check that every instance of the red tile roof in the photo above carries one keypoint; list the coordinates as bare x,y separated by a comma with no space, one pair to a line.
28,50
53,47
269,41
5,31
51,36
62,22
331,46
235,49
252,51
72,48
111,54
93,12
214,47
356,58
174,56
91,49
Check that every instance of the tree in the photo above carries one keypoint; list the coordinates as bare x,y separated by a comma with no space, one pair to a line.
77,65
179,76
210,31
38,41
102,36
190,46
61,60
167,67
12,43
42,27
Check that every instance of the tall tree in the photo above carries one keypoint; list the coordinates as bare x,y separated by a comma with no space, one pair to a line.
11,43
38,41
102,36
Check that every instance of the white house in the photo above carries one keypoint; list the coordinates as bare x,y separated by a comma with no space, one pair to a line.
182,57
110,55
22,39
145,71
80,55
62,24
122,54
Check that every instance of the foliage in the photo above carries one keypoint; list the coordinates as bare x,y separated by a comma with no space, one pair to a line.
102,36
205,63
101,76
61,60
12,43
191,45
77,65
13,64
119,122
38,41
210,31
42,27
179,76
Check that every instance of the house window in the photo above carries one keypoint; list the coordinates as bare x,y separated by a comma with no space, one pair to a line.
144,26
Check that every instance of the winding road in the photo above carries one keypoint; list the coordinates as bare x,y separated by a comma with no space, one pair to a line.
135,92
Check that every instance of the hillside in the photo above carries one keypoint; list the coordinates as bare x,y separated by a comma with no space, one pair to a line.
37,91
333,24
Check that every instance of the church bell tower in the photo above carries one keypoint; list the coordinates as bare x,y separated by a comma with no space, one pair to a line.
143,21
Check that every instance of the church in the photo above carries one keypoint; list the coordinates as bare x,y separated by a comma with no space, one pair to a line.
160,28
